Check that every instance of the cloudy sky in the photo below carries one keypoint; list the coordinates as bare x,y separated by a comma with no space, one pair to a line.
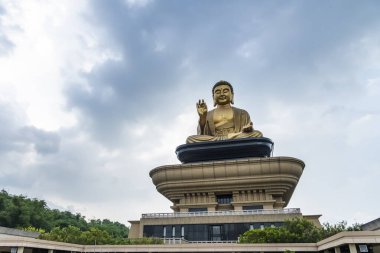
95,94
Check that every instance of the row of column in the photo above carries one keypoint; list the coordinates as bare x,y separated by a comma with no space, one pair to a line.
238,196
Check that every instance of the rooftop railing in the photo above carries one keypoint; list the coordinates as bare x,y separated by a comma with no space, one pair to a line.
221,213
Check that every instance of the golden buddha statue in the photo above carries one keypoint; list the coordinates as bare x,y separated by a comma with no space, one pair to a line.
225,121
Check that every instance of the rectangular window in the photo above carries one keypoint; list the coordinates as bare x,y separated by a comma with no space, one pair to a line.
253,207
208,232
224,199
216,233
198,209
363,248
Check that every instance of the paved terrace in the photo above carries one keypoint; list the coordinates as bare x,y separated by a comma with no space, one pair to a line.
17,244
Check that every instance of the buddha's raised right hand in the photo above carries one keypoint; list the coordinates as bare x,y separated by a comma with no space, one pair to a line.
202,111
202,108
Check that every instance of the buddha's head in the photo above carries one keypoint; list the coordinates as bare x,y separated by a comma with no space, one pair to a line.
223,93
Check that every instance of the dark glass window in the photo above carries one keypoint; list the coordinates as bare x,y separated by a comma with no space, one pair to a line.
224,199
216,233
196,232
155,231
254,207
198,209
233,230
177,231
34,250
345,248
205,232
169,231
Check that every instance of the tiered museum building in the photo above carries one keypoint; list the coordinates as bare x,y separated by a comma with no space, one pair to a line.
221,190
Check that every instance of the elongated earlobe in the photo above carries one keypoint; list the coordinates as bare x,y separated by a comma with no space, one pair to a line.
232,99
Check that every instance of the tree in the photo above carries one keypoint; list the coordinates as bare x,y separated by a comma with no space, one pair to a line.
33,229
302,230
330,230
22,212
94,236
296,230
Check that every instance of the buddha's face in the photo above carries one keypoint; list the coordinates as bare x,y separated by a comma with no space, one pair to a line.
222,95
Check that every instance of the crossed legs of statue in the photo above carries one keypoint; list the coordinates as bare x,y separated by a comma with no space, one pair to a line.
202,138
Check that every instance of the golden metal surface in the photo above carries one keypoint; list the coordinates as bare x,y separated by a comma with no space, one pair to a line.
225,121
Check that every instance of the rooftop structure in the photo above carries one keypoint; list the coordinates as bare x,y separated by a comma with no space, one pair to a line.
372,225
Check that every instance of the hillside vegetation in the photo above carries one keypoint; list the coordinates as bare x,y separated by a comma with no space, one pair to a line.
296,230
18,211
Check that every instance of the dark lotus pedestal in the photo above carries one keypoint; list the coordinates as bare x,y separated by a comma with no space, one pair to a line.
224,150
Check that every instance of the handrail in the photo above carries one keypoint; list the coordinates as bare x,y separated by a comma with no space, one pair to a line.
222,213
199,242
168,240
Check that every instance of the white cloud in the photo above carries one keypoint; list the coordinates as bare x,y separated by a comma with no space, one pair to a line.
137,3
373,86
52,46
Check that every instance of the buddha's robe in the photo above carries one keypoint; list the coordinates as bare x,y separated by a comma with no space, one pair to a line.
224,130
